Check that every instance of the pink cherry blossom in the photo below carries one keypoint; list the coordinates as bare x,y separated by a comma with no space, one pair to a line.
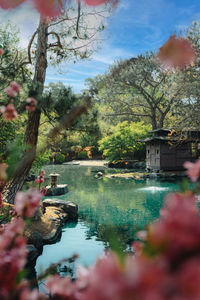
12,255
60,287
43,191
1,51
25,293
137,278
95,2
27,203
178,230
187,279
42,172
39,179
10,92
176,53
142,235
15,86
8,112
100,2
13,89
7,4
31,104
49,8
193,170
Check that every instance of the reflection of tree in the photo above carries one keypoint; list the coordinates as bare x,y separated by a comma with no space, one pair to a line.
124,234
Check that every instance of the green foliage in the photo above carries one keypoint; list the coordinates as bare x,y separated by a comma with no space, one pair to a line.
59,158
57,102
12,59
7,134
87,128
58,99
123,143
82,155
5,214
15,153
41,160
136,89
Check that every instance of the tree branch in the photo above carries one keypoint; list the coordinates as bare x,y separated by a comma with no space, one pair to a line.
59,44
29,50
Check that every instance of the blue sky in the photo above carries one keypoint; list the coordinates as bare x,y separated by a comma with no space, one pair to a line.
135,27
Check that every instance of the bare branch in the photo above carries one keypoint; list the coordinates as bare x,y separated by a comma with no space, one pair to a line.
78,19
58,44
29,50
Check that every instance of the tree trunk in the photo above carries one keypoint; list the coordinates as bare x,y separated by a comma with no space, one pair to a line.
31,133
162,118
153,119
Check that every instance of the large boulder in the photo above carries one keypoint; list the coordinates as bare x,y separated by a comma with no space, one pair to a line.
37,240
54,235
60,189
32,256
68,207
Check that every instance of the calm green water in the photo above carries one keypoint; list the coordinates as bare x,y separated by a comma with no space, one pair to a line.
117,206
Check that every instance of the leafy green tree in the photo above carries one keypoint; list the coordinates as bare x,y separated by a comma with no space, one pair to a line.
138,89
57,101
12,59
123,142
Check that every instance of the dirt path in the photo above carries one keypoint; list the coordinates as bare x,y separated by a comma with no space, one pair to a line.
92,163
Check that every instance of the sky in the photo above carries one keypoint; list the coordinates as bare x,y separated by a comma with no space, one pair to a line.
136,26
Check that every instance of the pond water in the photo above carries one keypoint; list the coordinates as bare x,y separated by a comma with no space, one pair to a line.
107,206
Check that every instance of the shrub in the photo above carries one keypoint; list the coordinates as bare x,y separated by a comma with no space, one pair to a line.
41,160
82,155
123,143
59,158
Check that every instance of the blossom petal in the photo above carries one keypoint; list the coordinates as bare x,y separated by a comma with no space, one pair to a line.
176,53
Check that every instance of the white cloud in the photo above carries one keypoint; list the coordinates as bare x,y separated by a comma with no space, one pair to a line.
81,72
109,54
25,18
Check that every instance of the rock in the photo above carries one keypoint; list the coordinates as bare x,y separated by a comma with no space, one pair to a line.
54,235
99,170
100,174
33,254
30,177
60,216
153,175
60,189
68,207
36,239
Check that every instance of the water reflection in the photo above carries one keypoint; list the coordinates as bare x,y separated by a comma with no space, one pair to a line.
105,205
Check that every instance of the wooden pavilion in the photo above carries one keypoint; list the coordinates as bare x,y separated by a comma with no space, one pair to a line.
167,149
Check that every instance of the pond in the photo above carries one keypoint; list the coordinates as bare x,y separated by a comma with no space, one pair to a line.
107,206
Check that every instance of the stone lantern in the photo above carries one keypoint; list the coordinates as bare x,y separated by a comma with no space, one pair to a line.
54,179
55,189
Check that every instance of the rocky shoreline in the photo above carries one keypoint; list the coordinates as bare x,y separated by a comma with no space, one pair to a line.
146,175
48,228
